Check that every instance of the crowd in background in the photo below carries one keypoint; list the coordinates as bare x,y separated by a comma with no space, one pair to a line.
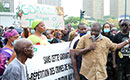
39,35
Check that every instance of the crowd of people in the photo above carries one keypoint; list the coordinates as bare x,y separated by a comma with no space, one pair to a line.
97,52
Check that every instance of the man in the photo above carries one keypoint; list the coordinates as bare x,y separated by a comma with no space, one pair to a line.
16,70
65,34
94,50
82,30
123,54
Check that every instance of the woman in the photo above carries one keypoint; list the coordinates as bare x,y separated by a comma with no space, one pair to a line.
37,38
106,31
6,53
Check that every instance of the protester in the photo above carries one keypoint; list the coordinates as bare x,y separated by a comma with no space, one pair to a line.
7,53
77,60
57,35
1,31
69,27
65,34
38,38
114,31
6,28
1,35
17,69
106,31
1,43
72,35
82,30
49,35
123,55
88,30
94,49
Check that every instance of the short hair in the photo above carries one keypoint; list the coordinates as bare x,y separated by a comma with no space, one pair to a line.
96,24
81,24
17,46
122,20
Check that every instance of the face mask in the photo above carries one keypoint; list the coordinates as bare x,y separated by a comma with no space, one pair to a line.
88,32
106,30
13,43
82,34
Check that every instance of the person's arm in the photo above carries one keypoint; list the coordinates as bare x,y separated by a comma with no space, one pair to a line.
120,45
86,50
114,59
74,64
12,57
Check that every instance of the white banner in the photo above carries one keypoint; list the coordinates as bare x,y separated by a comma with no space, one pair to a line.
51,62
49,14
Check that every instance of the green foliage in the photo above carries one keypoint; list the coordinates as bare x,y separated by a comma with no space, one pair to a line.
73,20
2,9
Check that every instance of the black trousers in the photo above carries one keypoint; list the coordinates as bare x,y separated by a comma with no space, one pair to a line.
123,71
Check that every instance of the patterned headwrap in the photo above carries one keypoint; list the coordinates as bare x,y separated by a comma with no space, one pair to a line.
10,33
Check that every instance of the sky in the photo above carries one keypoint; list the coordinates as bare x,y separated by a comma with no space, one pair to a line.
72,7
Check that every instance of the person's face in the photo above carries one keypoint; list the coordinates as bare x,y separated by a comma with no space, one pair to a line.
65,31
29,51
70,27
95,31
82,29
6,29
124,27
41,27
48,35
106,26
13,38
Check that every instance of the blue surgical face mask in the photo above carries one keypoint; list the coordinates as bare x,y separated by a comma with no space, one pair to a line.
88,32
13,43
106,30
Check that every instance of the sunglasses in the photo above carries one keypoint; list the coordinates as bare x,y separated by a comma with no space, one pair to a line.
124,25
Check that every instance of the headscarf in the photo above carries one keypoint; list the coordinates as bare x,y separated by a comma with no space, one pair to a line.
10,33
35,23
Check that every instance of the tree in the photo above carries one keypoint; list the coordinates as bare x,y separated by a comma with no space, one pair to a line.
73,20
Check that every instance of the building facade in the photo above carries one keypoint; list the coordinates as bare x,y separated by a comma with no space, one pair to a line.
9,4
117,8
94,8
